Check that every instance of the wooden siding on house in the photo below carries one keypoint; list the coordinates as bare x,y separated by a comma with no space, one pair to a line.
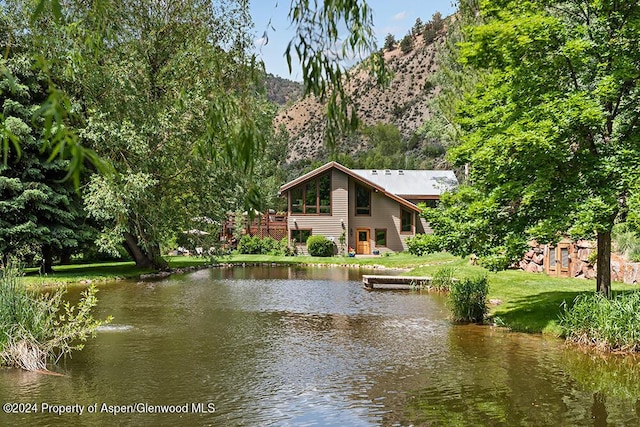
385,214
330,226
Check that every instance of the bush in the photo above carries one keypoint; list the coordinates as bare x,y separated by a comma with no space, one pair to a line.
626,241
505,256
35,327
468,299
423,244
612,324
320,246
266,246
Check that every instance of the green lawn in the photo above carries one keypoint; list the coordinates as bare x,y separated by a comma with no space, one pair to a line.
74,273
529,302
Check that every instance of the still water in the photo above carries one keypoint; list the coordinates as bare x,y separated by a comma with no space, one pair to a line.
301,347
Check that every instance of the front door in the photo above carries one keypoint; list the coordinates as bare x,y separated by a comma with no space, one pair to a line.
363,246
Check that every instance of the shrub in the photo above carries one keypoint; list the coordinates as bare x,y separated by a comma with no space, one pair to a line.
505,256
35,327
468,299
612,324
265,246
320,246
423,244
626,241
248,245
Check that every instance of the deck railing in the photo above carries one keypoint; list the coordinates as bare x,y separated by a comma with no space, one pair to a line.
266,225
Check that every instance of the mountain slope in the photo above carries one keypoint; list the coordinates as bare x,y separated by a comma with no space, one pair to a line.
404,103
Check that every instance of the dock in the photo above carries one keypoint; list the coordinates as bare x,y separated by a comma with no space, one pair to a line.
395,282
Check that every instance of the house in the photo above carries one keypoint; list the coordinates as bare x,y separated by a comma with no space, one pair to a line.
366,209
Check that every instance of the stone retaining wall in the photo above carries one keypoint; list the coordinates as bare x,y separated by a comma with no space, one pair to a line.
536,260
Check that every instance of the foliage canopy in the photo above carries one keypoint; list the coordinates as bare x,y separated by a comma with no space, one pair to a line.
551,134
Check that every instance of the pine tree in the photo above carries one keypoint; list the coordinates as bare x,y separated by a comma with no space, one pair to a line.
40,216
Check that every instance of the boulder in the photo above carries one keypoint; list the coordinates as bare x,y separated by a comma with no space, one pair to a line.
532,267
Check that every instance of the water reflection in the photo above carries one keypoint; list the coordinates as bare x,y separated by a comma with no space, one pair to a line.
295,346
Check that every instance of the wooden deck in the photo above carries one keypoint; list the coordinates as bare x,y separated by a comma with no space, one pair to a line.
394,282
270,224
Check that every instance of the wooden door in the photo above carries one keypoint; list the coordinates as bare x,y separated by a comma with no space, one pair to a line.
363,246
559,259
563,258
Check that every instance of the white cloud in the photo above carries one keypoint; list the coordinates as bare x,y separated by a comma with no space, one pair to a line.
399,16
261,41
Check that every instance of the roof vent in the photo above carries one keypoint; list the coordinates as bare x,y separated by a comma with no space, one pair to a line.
400,172
387,172
374,172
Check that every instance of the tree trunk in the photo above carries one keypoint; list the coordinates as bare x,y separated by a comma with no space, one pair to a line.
603,264
144,258
47,260
141,258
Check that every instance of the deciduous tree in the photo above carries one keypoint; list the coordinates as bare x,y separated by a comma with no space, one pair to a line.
552,135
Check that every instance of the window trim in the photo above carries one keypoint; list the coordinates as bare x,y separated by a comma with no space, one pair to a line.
303,187
413,220
376,237
355,200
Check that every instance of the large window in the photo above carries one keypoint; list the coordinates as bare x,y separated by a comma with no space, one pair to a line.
297,200
381,237
406,221
300,236
312,198
363,200
324,194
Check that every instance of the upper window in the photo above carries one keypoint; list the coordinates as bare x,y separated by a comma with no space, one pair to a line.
406,221
324,194
363,200
297,201
313,197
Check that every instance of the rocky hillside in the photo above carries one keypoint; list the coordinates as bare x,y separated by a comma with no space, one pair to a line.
403,104
282,91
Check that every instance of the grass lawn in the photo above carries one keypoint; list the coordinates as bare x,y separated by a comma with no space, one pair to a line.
530,302
74,273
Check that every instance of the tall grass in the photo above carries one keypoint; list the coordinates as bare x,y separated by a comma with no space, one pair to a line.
468,299
37,327
443,278
610,324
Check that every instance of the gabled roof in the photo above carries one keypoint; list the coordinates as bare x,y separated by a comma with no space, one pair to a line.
440,181
411,183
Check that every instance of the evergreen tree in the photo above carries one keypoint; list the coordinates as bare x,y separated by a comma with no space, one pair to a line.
39,214
418,27
406,45
390,42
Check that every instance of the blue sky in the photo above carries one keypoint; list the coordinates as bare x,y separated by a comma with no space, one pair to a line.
390,16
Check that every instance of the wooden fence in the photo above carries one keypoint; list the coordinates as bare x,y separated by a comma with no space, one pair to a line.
266,225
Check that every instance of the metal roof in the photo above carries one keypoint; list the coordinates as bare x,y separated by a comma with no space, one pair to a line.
407,183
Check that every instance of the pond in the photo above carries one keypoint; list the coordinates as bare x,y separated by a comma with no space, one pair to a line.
302,346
